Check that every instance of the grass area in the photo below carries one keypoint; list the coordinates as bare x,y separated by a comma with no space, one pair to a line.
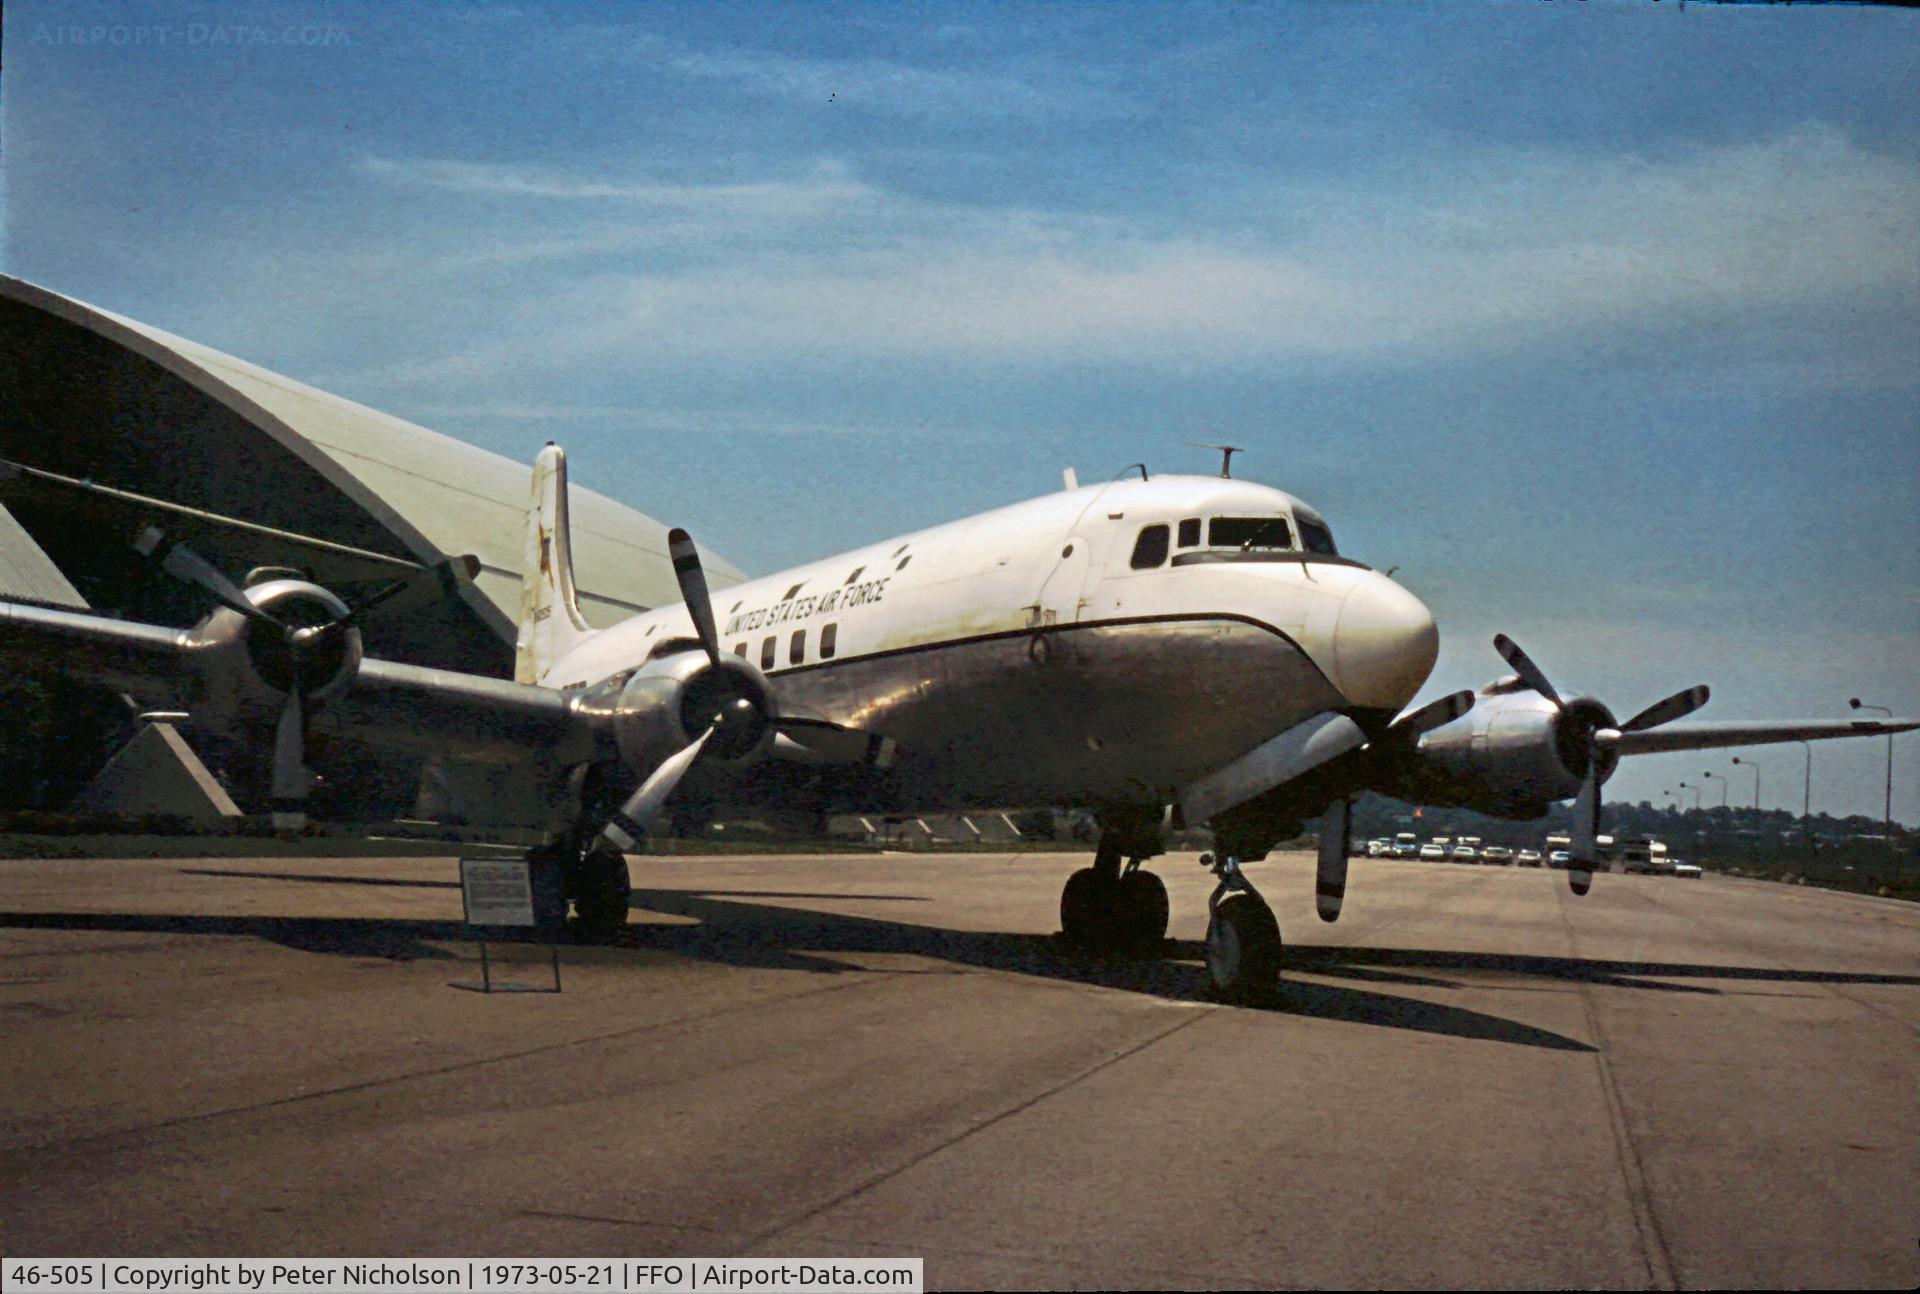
1863,867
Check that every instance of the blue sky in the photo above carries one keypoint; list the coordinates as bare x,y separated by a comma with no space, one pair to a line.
1598,320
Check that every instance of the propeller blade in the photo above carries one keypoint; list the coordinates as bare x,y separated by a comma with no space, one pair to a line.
1677,706
1523,665
290,778
643,806
693,590
181,562
1586,834
441,581
1434,714
1330,882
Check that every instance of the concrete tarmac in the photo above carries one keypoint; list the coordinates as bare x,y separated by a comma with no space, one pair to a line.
1473,1080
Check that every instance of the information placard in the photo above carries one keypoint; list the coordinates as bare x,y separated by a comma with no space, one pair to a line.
496,891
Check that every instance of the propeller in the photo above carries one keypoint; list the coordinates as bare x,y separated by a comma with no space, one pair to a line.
693,590
1434,714
187,566
731,713
309,650
1330,879
1336,824
1591,740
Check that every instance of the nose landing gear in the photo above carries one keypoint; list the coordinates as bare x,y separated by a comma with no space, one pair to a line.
1243,937
1113,907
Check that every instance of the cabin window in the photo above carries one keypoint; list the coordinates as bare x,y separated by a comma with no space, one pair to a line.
797,647
1151,548
1190,533
829,639
1249,533
740,649
767,654
1316,536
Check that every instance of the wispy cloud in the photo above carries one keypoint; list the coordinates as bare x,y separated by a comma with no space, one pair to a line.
827,188
990,86
1496,252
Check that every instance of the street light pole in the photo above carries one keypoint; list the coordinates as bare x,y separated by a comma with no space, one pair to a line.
1857,704
1756,780
1806,802
1723,786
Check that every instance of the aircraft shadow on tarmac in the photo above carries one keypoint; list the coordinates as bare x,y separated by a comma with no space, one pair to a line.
756,934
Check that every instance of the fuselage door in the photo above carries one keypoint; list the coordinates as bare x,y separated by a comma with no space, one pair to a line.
1062,598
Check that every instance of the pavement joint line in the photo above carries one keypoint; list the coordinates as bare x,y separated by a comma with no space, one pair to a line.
206,1116
561,1215
973,1129
1654,1250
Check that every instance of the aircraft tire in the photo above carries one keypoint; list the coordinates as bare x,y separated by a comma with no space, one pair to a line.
601,895
1142,912
1087,909
1243,950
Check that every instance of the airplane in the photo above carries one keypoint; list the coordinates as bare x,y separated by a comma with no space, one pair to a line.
1167,652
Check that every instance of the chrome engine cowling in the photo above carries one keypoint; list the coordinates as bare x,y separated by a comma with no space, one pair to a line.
1513,754
672,699
246,667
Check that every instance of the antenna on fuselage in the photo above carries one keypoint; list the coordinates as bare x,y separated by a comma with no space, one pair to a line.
1226,456
1130,467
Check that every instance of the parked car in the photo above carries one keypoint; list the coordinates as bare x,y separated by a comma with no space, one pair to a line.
1528,858
1432,854
1406,849
1465,854
1559,858
1498,855
1686,869
1379,848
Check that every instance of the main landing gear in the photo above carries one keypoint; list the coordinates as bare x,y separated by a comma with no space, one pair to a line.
595,881
1114,907
1243,938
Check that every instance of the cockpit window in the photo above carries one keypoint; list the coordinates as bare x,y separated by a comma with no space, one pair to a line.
1253,533
1190,533
1315,535
1150,549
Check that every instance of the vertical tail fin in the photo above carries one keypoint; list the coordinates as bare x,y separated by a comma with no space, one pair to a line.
550,620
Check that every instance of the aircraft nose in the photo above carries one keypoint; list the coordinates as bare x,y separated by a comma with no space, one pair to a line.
1385,644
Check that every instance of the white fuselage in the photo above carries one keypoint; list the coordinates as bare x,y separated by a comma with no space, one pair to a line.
1036,653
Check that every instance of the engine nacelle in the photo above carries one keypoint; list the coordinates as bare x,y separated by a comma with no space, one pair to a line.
245,667
1511,755
672,699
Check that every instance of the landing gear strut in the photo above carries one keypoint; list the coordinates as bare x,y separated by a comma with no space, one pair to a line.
1243,937
1114,907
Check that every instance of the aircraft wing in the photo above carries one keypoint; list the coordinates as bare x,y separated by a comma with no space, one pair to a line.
124,656
394,705
1709,736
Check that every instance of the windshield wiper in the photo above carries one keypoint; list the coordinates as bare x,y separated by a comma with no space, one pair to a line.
1254,538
